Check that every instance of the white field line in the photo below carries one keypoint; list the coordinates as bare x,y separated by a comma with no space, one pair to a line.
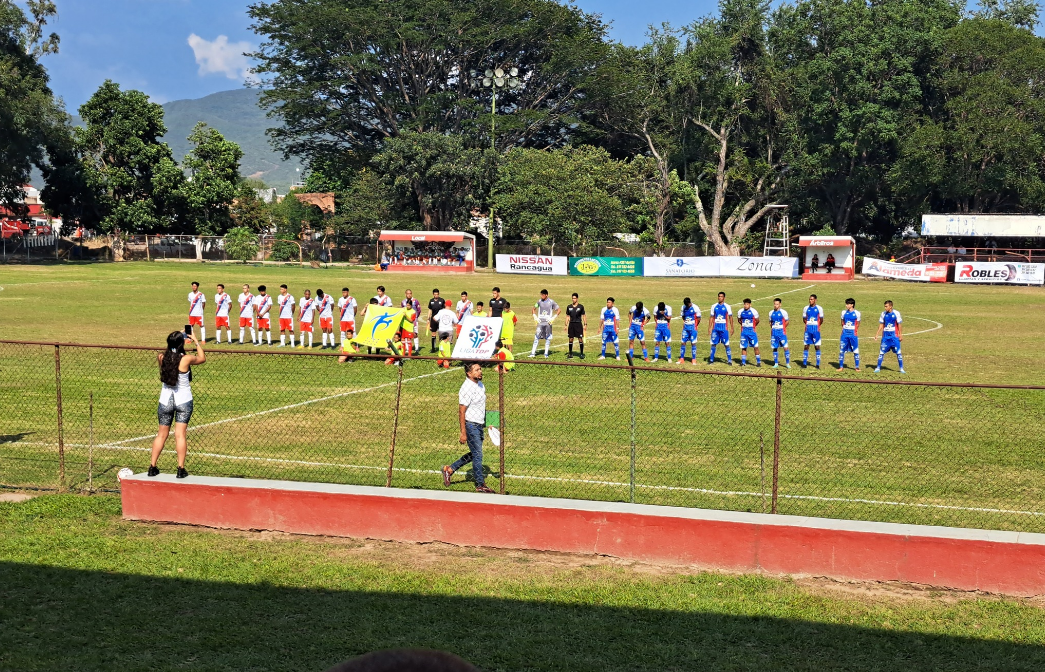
704,491
773,296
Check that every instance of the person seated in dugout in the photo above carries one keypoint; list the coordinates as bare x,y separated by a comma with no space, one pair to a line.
829,264
815,263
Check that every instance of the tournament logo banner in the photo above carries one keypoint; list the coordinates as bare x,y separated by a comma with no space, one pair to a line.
999,273
478,338
379,326
531,264
913,272
605,265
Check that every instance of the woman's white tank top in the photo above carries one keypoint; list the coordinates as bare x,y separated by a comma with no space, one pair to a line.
182,393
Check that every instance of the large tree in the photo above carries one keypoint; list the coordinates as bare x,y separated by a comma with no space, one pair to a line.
342,76
134,181
981,147
213,167
855,73
34,129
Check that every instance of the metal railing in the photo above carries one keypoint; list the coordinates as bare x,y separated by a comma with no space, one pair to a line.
951,454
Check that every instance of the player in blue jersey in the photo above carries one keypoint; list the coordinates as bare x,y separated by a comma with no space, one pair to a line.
662,318
721,328
610,318
850,341
890,331
690,322
813,316
748,318
639,316
778,320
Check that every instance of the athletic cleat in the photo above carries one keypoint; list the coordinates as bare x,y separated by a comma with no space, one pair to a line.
602,357
645,359
694,361
729,362
546,356
181,473
857,370
877,370
154,471
569,356
618,358
301,347
903,371
483,488
669,361
758,364
789,366
447,473
581,355
817,367
776,366
280,346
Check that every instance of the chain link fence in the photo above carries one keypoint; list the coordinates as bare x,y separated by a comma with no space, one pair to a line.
896,451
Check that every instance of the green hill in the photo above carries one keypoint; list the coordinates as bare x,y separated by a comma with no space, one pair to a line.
237,116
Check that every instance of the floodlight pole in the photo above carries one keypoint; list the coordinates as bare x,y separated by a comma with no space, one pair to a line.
493,146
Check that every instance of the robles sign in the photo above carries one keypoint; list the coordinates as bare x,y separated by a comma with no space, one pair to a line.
913,272
531,264
999,273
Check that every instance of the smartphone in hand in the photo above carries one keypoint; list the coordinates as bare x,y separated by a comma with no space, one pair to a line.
188,329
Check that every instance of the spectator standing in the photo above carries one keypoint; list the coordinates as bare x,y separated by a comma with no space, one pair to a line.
471,410
175,398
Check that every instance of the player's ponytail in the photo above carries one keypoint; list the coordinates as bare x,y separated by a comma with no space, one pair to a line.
172,359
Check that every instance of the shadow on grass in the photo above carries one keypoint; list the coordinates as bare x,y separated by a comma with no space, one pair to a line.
52,619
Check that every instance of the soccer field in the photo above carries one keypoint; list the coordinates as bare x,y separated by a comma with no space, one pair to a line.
943,455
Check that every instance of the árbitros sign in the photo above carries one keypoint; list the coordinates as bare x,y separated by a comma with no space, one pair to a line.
531,264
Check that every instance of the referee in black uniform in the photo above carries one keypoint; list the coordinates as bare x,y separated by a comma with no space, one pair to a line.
576,324
434,306
496,303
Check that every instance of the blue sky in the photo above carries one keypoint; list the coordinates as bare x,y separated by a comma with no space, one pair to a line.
173,49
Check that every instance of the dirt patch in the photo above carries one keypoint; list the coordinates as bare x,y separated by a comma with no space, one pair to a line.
15,496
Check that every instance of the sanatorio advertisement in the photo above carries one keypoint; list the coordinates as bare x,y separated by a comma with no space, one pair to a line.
721,267
999,273
531,264
912,272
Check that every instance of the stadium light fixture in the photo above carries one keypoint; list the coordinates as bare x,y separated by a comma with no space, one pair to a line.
496,79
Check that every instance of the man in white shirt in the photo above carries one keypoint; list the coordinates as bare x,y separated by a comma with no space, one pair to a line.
346,305
223,303
246,313
306,311
286,304
471,410
325,308
446,319
263,306
197,301
464,309
382,298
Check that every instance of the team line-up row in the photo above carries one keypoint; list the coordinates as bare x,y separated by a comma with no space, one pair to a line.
444,323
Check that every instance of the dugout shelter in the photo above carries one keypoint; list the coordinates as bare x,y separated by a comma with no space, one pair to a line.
428,251
816,252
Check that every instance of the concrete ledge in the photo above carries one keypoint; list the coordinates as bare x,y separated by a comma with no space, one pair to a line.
965,559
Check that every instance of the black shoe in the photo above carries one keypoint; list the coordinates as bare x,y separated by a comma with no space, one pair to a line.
569,356
154,471
581,355
181,473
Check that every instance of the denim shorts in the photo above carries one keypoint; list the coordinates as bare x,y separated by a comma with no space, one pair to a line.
168,412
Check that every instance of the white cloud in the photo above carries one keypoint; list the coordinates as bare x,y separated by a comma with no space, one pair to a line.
221,56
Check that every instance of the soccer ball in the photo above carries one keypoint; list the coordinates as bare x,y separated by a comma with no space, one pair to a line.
752,285
124,473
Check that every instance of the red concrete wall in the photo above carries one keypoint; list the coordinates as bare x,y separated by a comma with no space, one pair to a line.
807,547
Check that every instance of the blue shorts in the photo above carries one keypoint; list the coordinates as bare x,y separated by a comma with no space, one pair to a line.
850,343
609,336
663,333
636,333
689,334
748,338
777,339
718,336
890,343
812,337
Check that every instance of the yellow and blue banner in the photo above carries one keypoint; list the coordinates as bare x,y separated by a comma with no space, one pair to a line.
380,324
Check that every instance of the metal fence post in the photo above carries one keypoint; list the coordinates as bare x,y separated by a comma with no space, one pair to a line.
395,425
500,428
776,438
90,444
631,482
58,394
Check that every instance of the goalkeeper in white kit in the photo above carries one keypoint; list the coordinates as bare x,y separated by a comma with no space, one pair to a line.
544,313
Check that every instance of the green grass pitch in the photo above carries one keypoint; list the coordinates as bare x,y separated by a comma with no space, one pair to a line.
953,456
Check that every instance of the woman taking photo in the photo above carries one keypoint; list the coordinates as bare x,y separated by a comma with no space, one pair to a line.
175,398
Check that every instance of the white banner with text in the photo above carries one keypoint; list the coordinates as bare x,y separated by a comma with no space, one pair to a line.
913,272
531,264
999,273
720,267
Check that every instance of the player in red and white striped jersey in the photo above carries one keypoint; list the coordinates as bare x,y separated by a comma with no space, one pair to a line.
286,306
346,305
306,312
197,300
222,302
325,308
263,306
246,313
